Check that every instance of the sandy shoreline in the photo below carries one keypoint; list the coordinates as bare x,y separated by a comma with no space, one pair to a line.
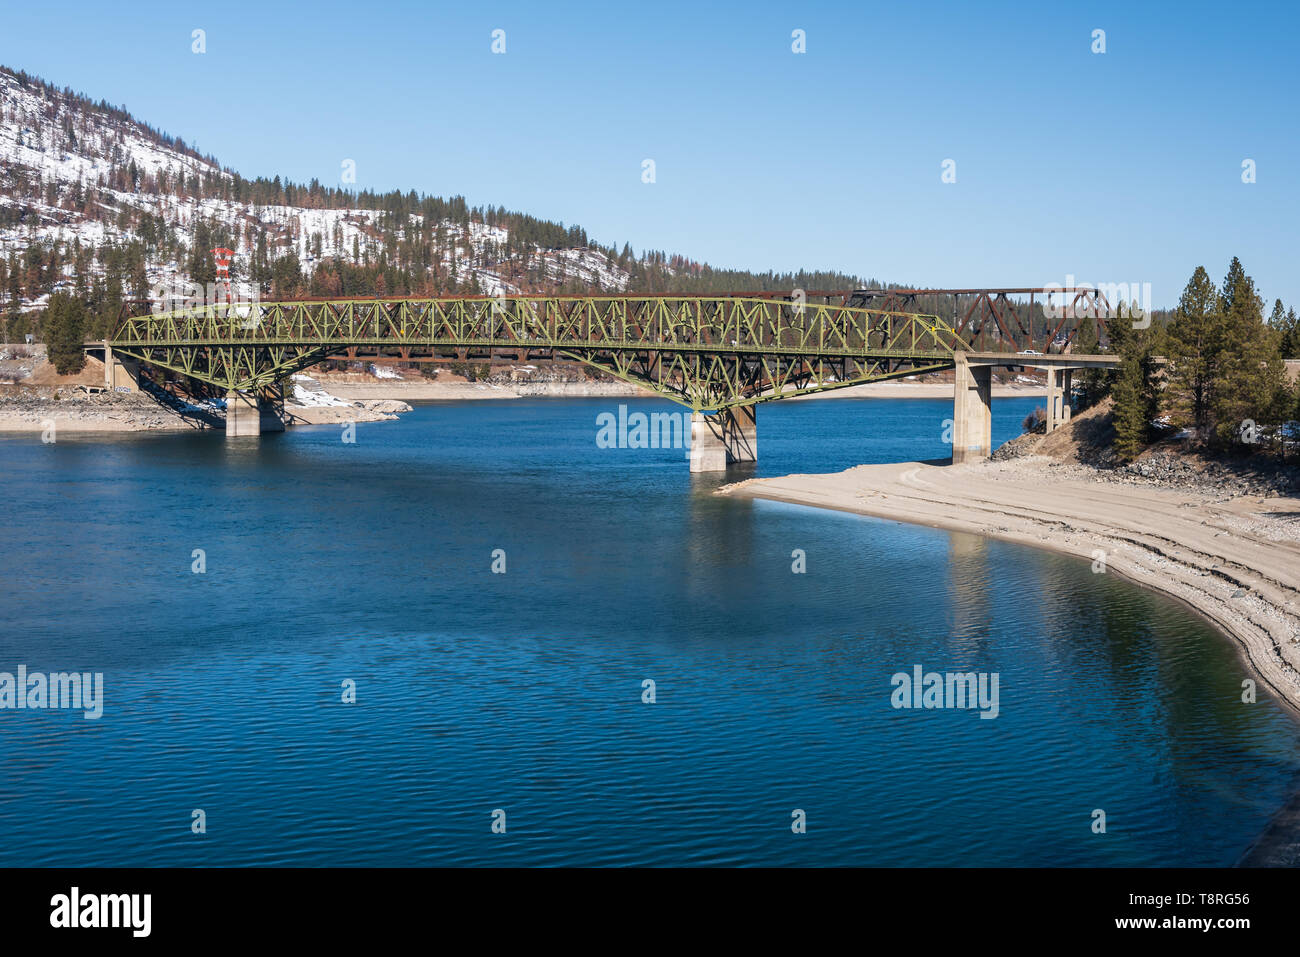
1236,562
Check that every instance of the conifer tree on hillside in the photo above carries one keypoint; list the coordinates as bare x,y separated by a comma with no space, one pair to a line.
1136,393
1250,391
14,284
10,324
1196,335
1277,318
286,276
64,330
1234,284
1291,335
202,268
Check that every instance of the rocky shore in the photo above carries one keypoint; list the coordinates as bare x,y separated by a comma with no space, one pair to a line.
1175,462
37,409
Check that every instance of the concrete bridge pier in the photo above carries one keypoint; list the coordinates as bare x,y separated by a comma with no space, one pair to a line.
254,412
120,375
1060,385
972,411
243,417
728,436
270,408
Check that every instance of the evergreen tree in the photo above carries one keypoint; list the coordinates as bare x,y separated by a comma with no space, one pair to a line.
1233,284
1136,392
14,291
1250,389
1291,336
1196,336
202,267
1277,318
286,275
64,328
14,328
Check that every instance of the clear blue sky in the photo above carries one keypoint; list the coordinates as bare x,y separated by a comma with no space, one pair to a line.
1120,167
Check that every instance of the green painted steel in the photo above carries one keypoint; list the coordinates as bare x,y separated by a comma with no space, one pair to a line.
707,353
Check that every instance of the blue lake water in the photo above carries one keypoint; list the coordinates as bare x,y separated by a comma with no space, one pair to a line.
522,691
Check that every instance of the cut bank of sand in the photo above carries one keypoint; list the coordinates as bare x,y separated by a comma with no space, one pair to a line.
1236,561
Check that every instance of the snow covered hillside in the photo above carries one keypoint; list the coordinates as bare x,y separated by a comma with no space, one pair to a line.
79,180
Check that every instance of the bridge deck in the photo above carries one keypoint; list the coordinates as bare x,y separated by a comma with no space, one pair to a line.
1054,361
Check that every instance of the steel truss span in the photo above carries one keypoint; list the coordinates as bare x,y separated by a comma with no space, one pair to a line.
707,353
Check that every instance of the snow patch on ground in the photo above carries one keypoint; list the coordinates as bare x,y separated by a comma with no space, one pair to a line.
313,396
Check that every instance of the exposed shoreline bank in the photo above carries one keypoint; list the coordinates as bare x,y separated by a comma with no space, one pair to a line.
111,413
434,390
32,408
1234,561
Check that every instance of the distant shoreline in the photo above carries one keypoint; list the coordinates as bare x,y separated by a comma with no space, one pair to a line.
408,390
26,409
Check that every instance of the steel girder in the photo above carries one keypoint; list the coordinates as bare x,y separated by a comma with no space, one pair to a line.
707,353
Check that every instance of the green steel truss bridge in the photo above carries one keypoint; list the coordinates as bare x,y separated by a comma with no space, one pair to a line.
709,353
720,356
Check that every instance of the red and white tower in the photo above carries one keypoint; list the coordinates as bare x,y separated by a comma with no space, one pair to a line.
223,257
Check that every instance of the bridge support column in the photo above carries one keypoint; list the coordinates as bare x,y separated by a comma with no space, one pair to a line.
120,374
243,417
1060,383
728,436
972,412
270,408
740,433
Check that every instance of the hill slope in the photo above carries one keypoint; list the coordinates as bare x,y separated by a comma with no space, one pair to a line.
94,201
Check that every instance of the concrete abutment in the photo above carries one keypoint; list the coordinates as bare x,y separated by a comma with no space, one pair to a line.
120,374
